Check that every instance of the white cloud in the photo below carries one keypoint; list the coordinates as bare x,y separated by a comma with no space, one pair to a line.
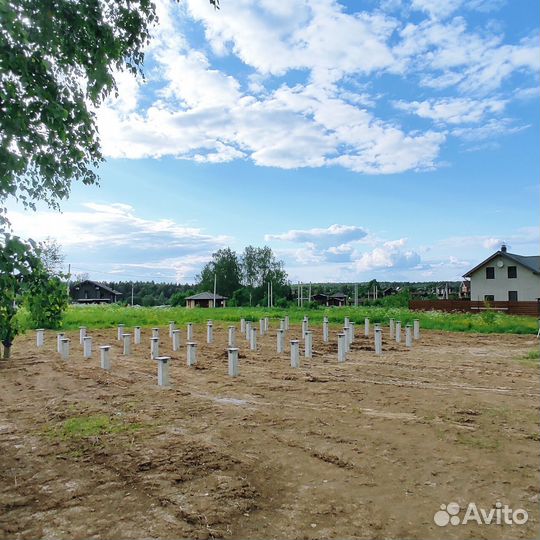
525,236
492,243
492,128
334,235
112,226
182,269
274,37
437,8
290,128
453,110
390,255
198,108
447,54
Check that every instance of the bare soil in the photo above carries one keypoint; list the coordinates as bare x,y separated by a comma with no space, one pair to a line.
366,449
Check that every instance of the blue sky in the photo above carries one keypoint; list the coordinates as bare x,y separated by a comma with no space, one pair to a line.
395,140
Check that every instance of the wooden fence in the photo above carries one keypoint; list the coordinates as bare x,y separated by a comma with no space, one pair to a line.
473,306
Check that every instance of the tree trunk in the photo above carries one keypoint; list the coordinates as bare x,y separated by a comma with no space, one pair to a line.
7,352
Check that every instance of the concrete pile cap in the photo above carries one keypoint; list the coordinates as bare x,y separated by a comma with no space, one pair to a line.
105,347
163,359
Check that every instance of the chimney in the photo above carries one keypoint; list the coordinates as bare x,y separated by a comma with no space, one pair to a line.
503,248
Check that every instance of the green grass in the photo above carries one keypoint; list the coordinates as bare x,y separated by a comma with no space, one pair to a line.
476,441
100,316
82,427
532,355
531,358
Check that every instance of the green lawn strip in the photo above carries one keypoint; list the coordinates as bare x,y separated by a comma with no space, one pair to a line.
100,316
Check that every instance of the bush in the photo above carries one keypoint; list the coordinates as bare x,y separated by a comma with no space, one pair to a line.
178,299
46,301
148,300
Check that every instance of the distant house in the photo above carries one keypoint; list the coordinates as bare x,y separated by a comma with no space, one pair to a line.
445,290
390,291
337,299
320,298
92,292
205,300
465,290
506,277
421,293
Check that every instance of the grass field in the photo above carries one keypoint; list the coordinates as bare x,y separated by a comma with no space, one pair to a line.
108,316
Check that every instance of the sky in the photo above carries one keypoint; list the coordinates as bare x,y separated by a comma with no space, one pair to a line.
395,140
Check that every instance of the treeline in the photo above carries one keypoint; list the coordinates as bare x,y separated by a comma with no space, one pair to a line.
242,278
150,293
225,267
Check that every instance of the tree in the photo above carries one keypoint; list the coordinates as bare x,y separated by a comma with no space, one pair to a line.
226,267
51,255
47,298
58,60
19,267
178,299
259,267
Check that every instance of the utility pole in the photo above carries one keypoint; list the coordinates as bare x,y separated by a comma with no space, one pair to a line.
69,278
132,294
298,295
356,295
309,293
215,283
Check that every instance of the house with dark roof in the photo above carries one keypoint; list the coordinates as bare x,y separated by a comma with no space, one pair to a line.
93,292
337,299
205,300
320,298
506,277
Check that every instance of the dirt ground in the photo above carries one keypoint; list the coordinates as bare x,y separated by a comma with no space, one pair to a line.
366,449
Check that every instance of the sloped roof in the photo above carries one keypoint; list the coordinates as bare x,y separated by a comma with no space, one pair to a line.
206,296
532,262
97,284
338,295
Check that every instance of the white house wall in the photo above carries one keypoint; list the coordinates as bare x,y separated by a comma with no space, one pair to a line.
527,284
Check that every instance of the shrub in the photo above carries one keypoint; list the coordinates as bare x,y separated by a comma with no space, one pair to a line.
46,301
